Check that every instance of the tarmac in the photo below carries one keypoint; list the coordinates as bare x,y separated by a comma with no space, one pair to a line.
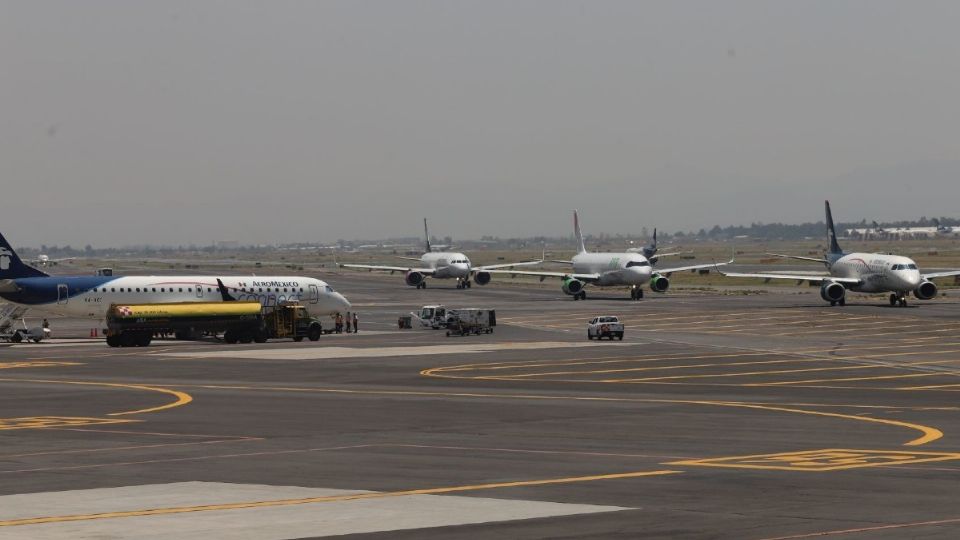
721,414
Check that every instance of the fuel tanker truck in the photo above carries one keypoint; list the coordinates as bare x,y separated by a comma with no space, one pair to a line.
134,325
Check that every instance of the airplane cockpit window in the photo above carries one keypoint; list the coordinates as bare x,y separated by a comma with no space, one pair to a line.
912,267
895,267
329,289
638,263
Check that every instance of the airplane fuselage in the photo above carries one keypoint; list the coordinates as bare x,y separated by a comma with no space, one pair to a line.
877,272
447,264
615,269
91,296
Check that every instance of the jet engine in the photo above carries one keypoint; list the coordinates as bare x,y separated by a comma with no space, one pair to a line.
926,290
481,278
832,292
572,286
413,279
659,283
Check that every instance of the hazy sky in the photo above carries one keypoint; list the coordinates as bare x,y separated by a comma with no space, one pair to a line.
191,121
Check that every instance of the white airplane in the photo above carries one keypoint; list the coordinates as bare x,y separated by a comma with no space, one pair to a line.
91,296
440,265
45,260
630,269
862,272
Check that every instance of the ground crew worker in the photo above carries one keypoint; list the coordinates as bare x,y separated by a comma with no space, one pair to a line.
339,323
348,322
356,322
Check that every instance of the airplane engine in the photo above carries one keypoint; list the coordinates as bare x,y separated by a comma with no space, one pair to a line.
659,283
926,290
481,278
832,292
413,278
572,286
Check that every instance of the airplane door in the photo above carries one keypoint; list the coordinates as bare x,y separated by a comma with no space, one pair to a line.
199,290
314,294
63,293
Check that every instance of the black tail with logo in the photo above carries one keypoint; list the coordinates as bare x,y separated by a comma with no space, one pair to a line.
831,231
11,267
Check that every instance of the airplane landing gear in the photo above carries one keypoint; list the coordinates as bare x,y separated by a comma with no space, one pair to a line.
422,285
636,293
582,295
898,299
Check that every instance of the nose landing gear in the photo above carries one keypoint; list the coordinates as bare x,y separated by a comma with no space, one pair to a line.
898,299
464,284
636,293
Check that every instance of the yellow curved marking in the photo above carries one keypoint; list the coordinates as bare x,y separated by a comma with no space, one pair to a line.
182,397
930,434
328,498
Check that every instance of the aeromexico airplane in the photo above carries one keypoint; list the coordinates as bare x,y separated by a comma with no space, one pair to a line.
91,296
629,269
440,265
862,272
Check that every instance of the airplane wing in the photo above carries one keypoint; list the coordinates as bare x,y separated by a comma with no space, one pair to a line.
589,278
692,267
797,257
372,267
506,265
409,258
934,275
813,278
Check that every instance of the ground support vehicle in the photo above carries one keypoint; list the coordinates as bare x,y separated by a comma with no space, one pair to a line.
288,320
9,315
240,322
465,321
605,327
432,316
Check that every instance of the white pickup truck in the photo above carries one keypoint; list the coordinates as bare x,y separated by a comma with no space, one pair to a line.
605,327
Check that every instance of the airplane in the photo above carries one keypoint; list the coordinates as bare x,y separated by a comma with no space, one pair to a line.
91,296
651,251
943,229
861,272
631,269
440,265
45,260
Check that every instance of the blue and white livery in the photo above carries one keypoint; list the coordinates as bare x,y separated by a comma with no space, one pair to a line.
91,296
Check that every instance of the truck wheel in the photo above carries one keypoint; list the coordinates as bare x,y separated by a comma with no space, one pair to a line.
17,338
260,337
230,336
143,340
113,341
620,336
589,336
298,339
314,333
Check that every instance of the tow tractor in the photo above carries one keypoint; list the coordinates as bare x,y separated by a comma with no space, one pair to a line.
287,320
433,316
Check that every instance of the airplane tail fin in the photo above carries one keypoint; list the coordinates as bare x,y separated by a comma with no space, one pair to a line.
576,232
831,231
651,250
426,236
11,267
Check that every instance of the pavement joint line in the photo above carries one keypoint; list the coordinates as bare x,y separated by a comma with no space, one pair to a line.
332,498
859,530
930,434
124,448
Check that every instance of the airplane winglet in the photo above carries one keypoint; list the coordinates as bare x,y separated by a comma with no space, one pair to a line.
224,293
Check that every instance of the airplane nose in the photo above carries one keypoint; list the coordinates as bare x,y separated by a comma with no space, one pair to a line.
914,279
342,301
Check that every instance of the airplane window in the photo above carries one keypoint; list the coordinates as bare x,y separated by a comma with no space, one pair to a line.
284,289
180,289
329,289
153,289
637,263
138,289
260,289
912,266
112,289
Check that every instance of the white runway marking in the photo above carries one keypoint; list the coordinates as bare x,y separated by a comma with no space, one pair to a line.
324,353
264,523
